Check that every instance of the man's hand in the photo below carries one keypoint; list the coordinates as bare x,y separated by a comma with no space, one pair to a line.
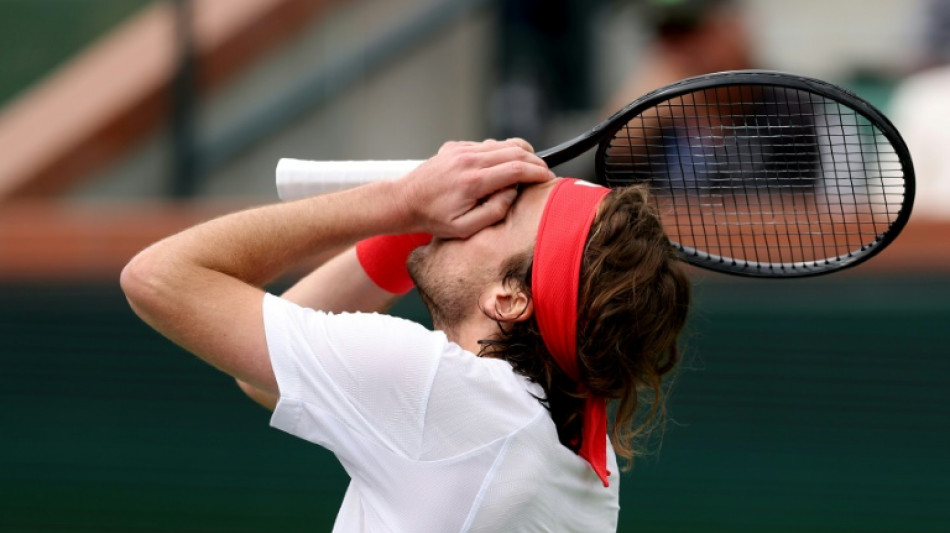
468,186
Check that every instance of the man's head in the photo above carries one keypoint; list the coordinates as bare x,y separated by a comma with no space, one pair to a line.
633,297
462,280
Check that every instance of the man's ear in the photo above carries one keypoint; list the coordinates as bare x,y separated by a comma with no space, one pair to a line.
506,302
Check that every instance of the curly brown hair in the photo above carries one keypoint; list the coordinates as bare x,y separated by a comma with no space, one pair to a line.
633,299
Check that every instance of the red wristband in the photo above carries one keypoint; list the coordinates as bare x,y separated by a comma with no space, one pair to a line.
384,257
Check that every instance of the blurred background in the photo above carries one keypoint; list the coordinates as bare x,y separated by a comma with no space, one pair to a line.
805,405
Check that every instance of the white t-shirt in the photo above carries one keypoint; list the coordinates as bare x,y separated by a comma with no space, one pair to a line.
434,438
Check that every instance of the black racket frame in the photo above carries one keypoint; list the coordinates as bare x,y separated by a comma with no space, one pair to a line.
604,132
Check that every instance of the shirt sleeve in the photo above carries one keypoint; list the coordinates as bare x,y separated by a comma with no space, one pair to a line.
350,376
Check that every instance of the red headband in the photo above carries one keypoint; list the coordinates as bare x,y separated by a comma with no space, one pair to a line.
562,238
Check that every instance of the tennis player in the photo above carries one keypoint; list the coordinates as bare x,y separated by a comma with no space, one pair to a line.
550,297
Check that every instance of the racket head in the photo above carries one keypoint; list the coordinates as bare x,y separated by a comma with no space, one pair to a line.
760,173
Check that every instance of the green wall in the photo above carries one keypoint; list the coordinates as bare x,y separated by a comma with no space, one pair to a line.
809,405
37,36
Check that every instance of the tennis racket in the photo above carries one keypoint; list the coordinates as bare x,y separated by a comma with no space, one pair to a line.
755,173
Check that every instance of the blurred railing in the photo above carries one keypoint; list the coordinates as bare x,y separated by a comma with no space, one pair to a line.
45,241
113,95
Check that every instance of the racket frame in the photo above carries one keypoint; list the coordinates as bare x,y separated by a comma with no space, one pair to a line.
603,133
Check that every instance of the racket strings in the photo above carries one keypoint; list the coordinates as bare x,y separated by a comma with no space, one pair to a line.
773,176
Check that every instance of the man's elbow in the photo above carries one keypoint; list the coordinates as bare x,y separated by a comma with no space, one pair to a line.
142,282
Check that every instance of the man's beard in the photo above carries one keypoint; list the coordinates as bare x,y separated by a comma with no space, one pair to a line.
447,296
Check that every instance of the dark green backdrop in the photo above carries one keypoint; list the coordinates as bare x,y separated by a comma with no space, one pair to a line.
810,405
38,36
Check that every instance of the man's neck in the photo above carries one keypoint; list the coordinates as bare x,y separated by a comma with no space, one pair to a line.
468,333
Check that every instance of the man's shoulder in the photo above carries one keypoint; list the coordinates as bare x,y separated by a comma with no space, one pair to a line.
370,323
486,372
474,401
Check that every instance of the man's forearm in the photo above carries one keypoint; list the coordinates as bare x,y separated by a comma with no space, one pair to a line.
466,187
257,245
340,285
